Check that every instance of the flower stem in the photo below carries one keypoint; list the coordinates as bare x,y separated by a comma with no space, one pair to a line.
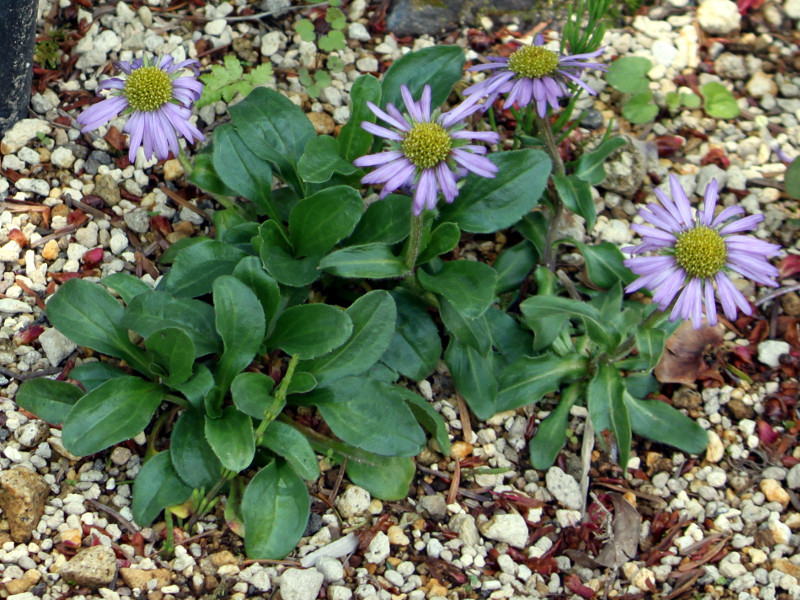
626,347
279,400
414,242
557,207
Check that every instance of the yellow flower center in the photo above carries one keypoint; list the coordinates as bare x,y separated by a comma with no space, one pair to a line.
533,62
427,144
701,252
148,88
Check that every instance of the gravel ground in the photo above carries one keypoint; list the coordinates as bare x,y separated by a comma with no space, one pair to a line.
477,524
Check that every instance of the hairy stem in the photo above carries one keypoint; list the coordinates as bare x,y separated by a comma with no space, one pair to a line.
551,147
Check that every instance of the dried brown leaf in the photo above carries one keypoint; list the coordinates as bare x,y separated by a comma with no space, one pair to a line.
624,543
682,360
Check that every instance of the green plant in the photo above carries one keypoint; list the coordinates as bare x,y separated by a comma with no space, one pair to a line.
224,81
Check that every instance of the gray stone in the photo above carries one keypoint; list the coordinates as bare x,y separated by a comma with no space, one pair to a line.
792,9
33,186
731,566
435,506
32,433
730,66
357,31
418,17
339,592
510,528
708,172
378,549
271,43
275,7
22,498
10,252
331,568
718,17
300,584
94,567
770,351
353,502
793,477
257,576
62,157
626,169
138,220
593,119
13,307
564,488
96,158
464,525
21,133
56,345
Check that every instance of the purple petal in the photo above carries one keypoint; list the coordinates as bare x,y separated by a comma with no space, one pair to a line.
425,194
671,285
730,297
399,124
710,302
743,224
681,201
726,214
111,83
102,112
381,131
480,165
447,182
710,203
425,103
405,172
490,137
384,173
370,160
411,107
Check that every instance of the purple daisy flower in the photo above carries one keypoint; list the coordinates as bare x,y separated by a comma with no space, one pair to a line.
158,101
694,253
426,151
532,73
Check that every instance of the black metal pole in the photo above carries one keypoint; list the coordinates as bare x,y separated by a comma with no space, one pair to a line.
18,33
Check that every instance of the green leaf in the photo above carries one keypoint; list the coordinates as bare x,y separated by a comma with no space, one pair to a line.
275,129
336,18
508,338
386,221
590,166
90,375
527,379
608,410
660,422
288,443
156,487
473,375
468,285
551,435
443,239
126,285
430,419
690,100
471,332
322,159
596,327
513,265
318,222
250,272
198,386
49,400
486,205
305,29
195,269
148,313
242,170
89,316
640,108
331,41
373,318
719,102
231,437
275,510
629,74
439,66
369,414
204,176
301,383
310,330
415,347
113,412
192,456
604,264
370,261
546,329
792,180
172,354
650,343
353,140
241,325
577,195
534,227
385,477
276,256
252,394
